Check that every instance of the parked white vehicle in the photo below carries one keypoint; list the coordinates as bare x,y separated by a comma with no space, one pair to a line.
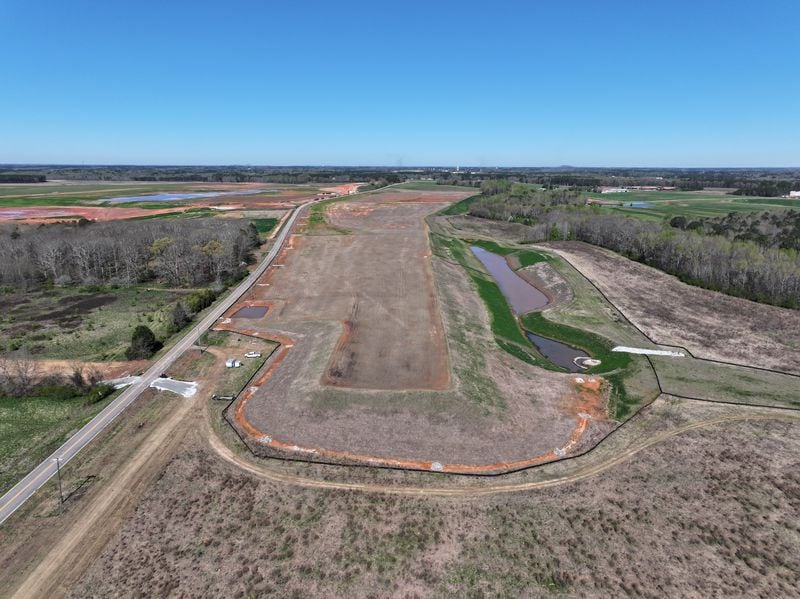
252,354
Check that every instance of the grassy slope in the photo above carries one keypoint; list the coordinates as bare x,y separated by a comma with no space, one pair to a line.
589,314
461,207
318,219
721,382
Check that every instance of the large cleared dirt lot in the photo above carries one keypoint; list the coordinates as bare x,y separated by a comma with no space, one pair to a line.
376,282
709,324
388,353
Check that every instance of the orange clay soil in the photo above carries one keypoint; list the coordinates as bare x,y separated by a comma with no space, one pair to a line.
586,404
49,215
107,370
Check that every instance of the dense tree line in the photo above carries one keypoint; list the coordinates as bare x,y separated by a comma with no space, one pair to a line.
503,200
768,189
736,267
772,229
758,181
179,253
212,174
22,178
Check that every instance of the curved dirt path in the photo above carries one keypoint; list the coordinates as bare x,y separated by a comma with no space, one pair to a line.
264,471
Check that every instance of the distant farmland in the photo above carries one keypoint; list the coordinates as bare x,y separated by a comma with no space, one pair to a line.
689,204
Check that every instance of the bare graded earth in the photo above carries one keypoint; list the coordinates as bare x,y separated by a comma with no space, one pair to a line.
709,512
385,360
709,324
283,197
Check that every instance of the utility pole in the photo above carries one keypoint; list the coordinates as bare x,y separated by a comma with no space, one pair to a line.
60,491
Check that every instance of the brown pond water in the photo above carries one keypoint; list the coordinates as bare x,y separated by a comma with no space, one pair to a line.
524,297
251,312
521,295
558,353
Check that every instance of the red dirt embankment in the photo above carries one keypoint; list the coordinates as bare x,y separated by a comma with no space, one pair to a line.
100,213
106,370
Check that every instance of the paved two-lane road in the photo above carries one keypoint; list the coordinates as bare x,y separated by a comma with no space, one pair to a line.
20,493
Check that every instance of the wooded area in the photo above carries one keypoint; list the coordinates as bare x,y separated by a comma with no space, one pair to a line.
778,229
734,265
180,253
22,178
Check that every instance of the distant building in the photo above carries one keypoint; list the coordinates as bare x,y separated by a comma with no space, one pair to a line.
613,190
794,194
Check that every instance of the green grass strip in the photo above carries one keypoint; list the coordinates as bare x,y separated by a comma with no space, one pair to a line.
264,225
461,207
504,323
529,257
491,246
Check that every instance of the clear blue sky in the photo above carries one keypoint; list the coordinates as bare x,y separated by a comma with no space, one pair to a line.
603,83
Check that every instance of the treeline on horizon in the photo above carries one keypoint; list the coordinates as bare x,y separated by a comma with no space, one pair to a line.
763,182
731,265
22,178
180,253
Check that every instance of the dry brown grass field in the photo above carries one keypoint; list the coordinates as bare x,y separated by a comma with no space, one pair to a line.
706,512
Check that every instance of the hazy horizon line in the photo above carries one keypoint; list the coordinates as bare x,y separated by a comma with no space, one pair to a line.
382,166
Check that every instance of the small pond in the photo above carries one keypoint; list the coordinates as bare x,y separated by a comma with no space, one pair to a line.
521,295
524,297
638,204
251,312
558,353
171,197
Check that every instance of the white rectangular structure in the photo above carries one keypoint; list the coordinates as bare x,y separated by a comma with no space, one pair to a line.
650,352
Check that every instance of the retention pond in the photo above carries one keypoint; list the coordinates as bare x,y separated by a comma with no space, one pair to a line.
524,297
251,312
521,295
172,197
558,353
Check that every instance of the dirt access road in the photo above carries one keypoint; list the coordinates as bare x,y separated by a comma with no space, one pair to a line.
592,464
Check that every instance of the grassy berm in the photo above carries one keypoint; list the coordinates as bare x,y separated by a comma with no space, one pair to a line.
709,513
